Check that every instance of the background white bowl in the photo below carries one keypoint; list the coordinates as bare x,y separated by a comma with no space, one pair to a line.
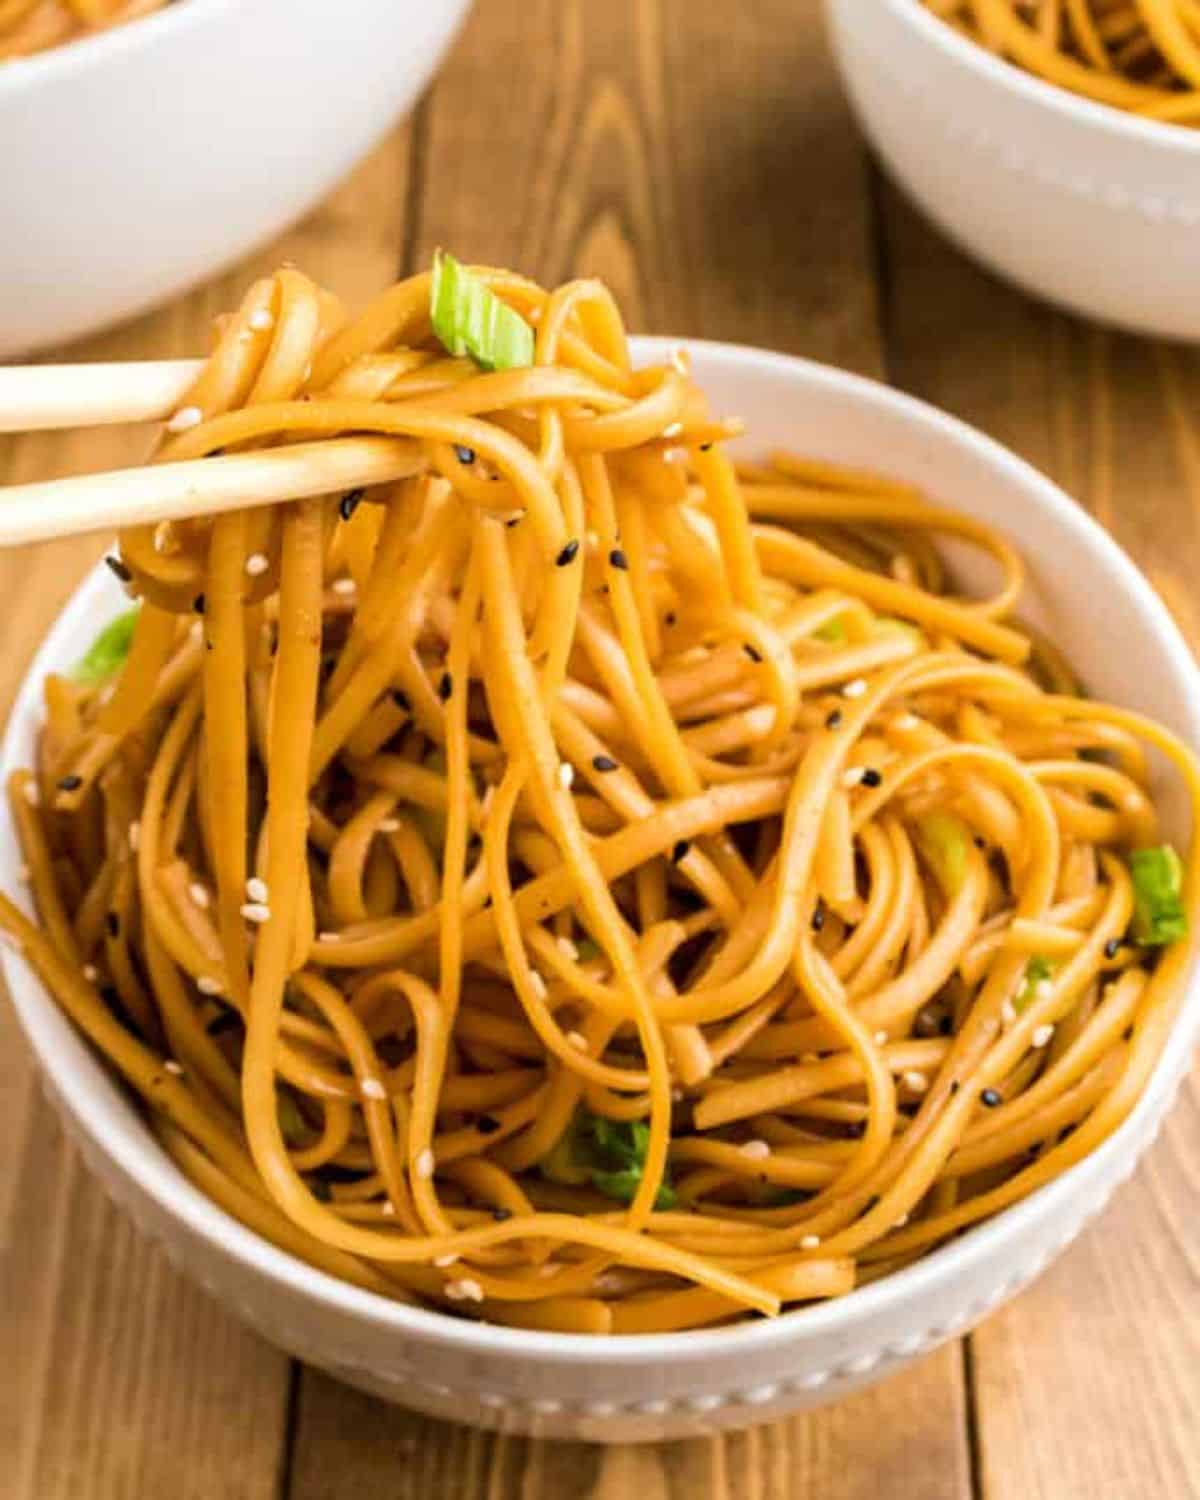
138,161
672,1385
1078,202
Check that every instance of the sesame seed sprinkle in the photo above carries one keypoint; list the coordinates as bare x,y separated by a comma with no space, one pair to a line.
905,722
329,937
566,775
810,1242
424,1165
91,973
855,689
185,418
256,911
388,1208
373,1089
257,564
1043,989
389,825
465,1290
199,894
262,319
1041,1037
207,985
603,763
537,984
577,1040
755,1150
881,1038
916,1082
345,588
173,1067
853,776
442,1261
257,890
673,430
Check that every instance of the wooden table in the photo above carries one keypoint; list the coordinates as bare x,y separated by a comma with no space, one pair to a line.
700,158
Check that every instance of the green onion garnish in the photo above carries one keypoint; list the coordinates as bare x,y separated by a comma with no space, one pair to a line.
1038,968
608,1154
108,651
943,840
469,318
1158,914
833,630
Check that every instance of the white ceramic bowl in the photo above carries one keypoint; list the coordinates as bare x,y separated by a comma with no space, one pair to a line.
675,1384
138,161
1086,205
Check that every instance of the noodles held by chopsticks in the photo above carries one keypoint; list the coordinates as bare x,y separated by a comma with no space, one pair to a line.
586,883
1138,55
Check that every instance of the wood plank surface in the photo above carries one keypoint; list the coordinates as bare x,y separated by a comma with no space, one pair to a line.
700,159
1089,1384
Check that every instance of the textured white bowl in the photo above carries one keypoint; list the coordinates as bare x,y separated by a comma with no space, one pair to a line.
1077,202
138,161
675,1384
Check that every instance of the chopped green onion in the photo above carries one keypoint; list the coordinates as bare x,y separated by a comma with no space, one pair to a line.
108,651
944,840
469,318
1037,969
833,630
610,1154
1158,914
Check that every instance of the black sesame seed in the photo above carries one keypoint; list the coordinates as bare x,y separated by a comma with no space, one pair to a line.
1112,947
113,923
118,568
979,843
464,454
946,1026
955,1085
514,520
834,719
871,777
670,617
445,687
603,763
487,1124
681,848
400,699
818,916
349,503
501,1214
871,1203
990,1098
752,652
704,447
568,554
618,559
70,783
198,604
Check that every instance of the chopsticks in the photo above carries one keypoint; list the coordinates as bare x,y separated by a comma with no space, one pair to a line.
43,397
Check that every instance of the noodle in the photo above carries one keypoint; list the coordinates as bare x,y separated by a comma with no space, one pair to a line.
28,26
1138,55
588,884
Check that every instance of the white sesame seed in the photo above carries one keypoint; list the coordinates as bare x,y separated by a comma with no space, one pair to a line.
173,1067
185,418
673,430
881,1038
567,948
262,319
853,776
32,794
207,985
677,1096
387,1208
1042,1035
566,775
810,1242
1043,989
257,890
1008,1013
425,1164
916,1082
755,1150
905,722
199,894
855,689
389,825
135,836
577,1040
329,937
442,1261
196,629
91,973
344,586
11,942
465,1290
257,564
255,911
537,984
373,1089
901,1222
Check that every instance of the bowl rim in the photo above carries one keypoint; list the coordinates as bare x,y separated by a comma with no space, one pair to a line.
1036,90
70,58
142,1161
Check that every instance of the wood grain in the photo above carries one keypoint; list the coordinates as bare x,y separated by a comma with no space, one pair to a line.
1089,1385
120,1380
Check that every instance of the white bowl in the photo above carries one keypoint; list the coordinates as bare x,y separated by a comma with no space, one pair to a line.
140,160
1078,202
673,1385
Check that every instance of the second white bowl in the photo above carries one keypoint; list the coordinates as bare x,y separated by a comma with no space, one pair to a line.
674,1385
1083,204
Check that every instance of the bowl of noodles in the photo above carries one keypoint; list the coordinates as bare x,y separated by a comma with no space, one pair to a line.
643,922
175,137
1057,143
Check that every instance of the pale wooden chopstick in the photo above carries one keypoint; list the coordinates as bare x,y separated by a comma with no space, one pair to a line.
34,398
200,487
